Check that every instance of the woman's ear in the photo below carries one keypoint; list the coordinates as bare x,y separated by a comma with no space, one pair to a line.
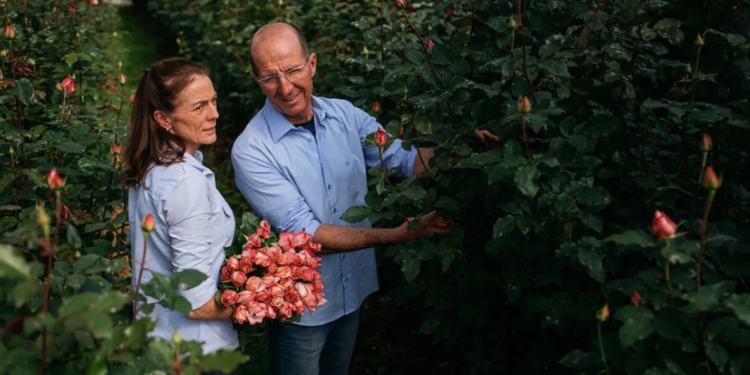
163,120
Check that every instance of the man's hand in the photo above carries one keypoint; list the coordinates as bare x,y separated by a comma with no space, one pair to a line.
429,225
484,135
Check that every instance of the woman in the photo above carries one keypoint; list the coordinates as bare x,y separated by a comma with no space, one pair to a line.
173,114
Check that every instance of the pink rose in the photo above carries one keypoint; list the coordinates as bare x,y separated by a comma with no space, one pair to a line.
277,302
233,264
300,239
321,300
256,312
381,137
662,225
286,259
314,247
319,285
272,269
246,267
255,284
238,278
229,298
273,252
306,294
262,296
245,297
287,283
308,274
285,241
271,313
300,259
225,274
262,260
253,242
264,230
240,314
268,280
283,272
276,290
313,262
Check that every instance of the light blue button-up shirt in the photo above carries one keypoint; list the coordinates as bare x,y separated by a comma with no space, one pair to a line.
193,225
296,182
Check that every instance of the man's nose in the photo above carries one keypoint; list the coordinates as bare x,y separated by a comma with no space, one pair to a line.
285,87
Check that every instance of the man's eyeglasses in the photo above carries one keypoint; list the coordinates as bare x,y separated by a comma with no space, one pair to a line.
291,75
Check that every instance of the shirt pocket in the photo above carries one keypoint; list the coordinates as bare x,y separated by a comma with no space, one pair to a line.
227,220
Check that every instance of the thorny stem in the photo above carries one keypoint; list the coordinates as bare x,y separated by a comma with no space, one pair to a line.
525,140
601,348
704,223
385,174
140,276
668,279
523,46
49,247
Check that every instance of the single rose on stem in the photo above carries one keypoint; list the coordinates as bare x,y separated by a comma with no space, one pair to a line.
264,230
253,242
636,299
148,225
225,274
706,143
54,180
662,226
710,180
603,314
229,298
381,137
233,264
238,278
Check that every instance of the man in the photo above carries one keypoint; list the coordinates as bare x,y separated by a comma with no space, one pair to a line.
301,163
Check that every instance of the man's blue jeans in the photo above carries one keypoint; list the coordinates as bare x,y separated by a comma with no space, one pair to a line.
319,350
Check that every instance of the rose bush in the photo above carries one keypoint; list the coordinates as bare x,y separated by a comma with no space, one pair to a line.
551,223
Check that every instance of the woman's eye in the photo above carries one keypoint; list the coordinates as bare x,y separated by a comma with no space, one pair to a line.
198,108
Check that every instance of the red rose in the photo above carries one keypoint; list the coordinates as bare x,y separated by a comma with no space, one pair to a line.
710,181
637,299
240,314
381,137
229,298
255,284
253,242
399,3
233,264
662,225
430,45
225,274
148,225
238,278
285,241
245,297
54,180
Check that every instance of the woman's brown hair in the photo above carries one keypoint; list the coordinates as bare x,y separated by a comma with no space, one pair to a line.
148,143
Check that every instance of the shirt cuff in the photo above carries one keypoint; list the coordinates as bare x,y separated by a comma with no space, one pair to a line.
407,165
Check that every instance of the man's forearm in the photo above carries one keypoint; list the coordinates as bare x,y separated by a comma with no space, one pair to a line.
422,162
211,311
339,239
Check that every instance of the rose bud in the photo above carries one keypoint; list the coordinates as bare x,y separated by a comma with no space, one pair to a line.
233,264
698,41
148,225
376,107
603,314
132,98
69,84
10,33
225,274
448,14
253,242
512,23
381,137
524,105
238,278
255,284
229,298
706,143
430,45
58,86
637,299
662,226
710,181
399,3
115,149
240,314
54,180
122,79
264,230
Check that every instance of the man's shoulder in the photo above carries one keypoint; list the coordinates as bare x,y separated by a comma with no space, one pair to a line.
335,106
256,132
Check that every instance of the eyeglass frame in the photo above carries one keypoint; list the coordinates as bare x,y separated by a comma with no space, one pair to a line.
297,69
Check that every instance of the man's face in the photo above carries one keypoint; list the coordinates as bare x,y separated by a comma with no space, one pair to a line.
279,54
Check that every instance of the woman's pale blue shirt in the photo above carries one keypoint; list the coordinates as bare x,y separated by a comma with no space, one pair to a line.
193,225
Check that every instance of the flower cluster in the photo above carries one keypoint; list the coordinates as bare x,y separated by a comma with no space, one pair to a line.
272,279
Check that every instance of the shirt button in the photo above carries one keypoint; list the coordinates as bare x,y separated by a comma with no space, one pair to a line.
346,279
334,210
343,256
329,186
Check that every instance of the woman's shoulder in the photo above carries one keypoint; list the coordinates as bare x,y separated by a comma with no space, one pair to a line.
164,179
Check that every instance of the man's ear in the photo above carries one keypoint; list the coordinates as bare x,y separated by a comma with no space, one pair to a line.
163,120
313,64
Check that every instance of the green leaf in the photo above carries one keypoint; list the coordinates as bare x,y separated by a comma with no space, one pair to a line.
415,192
188,279
423,124
527,180
356,214
410,268
717,353
740,364
7,223
68,146
592,262
223,360
701,301
594,196
503,226
740,304
74,239
25,93
601,125
460,67
577,359
556,68
37,178
13,264
635,330
10,208
632,237
134,336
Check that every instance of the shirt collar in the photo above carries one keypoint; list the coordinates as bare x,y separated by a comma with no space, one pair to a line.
279,125
196,162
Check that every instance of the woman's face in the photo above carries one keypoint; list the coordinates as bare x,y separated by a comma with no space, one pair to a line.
194,116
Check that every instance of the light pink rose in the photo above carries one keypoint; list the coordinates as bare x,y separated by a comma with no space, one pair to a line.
321,299
283,272
240,314
245,297
255,284
272,269
238,278
271,313
268,280
262,296
276,290
229,298
256,312
285,241
233,264
264,230
287,258
313,262
273,252
300,239
277,302
306,294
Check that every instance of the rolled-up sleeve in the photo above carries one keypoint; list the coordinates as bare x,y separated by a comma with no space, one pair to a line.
188,213
394,156
272,196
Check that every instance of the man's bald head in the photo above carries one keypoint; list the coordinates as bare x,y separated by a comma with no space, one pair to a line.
275,31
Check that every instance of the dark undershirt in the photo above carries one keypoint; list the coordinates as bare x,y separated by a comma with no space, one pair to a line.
309,125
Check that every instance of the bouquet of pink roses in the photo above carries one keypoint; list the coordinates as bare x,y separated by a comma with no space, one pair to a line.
272,278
